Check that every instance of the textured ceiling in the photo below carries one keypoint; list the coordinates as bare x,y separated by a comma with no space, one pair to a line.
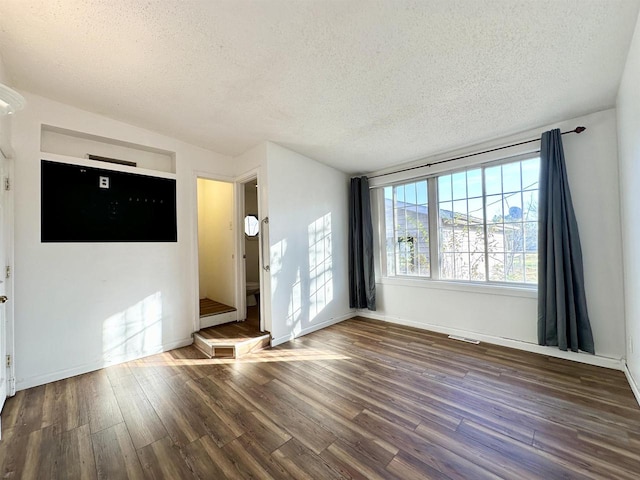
359,85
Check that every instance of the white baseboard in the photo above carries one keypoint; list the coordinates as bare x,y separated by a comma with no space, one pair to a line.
24,383
597,360
632,383
312,328
219,319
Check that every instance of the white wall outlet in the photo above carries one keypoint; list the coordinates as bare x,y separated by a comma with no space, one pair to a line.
104,182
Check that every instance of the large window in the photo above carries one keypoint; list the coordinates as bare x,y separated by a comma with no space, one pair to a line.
486,220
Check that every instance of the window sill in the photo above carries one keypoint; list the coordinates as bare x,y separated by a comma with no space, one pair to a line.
515,291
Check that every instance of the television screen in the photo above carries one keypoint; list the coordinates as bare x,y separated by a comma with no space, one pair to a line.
86,204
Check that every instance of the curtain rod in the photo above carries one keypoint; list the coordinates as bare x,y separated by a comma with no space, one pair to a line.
575,130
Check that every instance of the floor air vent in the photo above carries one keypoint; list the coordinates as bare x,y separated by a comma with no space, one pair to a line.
464,339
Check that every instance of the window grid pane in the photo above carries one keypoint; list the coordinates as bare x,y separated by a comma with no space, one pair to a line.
493,232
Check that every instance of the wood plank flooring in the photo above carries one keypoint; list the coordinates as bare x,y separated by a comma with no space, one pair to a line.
211,307
361,399
250,328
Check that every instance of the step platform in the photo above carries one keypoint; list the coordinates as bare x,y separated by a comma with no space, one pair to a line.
230,347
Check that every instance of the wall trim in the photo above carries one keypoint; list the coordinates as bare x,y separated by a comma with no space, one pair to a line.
30,382
632,383
286,338
599,361
219,319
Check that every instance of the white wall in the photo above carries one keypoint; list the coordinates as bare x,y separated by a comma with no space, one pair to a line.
629,155
216,241
81,306
308,221
495,314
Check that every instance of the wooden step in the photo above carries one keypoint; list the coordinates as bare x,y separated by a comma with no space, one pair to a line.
222,347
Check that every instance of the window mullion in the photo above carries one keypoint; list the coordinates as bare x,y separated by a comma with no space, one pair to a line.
484,226
434,242
382,231
395,232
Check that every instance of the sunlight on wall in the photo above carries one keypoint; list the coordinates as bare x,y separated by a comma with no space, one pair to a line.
134,330
295,305
278,251
320,266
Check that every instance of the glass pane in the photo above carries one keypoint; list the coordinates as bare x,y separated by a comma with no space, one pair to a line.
530,174
462,266
477,267
461,238
421,188
511,177
401,264
446,239
496,267
388,193
410,193
474,183
530,205
476,212
494,209
476,238
459,181
460,211
446,213
391,264
425,269
400,222
406,251
495,238
513,207
422,257
531,268
399,193
531,237
423,235
514,237
514,267
447,266
493,180
444,188
412,221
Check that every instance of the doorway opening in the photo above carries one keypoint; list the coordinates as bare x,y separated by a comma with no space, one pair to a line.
251,241
229,289
216,263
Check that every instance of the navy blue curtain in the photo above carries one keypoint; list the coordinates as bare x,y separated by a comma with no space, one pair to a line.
362,282
563,320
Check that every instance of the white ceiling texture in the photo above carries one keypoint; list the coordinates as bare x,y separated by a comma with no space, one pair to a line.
356,84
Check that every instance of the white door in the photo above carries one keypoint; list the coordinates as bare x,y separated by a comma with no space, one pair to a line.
4,370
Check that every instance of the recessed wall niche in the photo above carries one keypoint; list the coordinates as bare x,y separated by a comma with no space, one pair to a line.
87,204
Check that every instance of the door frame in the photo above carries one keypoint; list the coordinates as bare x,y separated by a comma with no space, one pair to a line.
195,270
6,174
241,180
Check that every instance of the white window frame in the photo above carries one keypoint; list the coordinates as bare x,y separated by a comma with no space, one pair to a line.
506,288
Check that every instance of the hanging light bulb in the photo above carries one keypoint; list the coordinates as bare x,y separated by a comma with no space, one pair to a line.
10,101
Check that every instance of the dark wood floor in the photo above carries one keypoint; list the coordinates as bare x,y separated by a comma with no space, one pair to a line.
211,307
249,328
361,399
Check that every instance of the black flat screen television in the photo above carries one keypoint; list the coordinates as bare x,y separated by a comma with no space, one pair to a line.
86,204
